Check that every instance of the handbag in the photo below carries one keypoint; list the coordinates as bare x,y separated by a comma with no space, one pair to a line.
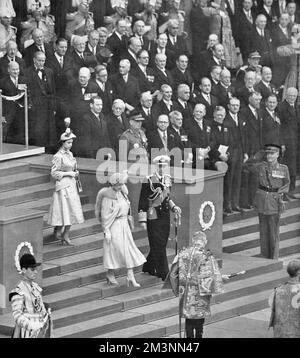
78,182
78,185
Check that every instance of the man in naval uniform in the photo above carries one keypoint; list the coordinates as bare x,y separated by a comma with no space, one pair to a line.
154,209
273,181
136,139
32,318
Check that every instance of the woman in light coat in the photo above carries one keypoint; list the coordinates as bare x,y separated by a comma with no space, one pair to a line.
65,209
112,208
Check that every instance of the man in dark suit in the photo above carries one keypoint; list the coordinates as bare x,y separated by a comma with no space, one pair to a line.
165,105
11,56
118,43
13,128
205,56
290,122
161,48
130,54
237,148
281,36
214,76
139,32
261,41
293,11
79,56
105,90
92,132
176,43
233,10
199,132
145,109
225,90
92,47
265,87
199,22
181,138
244,92
183,104
144,74
205,97
126,86
181,73
217,59
38,45
62,66
252,65
271,123
251,116
41,87
161,74
245,24
160,139
117,124
270,12
80,92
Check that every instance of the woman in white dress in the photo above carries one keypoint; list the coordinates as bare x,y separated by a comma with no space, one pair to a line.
65,209
112,209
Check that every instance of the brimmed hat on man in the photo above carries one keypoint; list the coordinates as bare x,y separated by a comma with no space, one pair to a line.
28,261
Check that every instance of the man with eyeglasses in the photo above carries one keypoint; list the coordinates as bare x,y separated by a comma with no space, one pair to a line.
144,74
160,138
105,90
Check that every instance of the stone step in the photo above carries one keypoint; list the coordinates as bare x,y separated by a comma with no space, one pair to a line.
247,226
249,241
90,226
12,167
286,247
43,204
250,213
88,212
105,306
78,295
53,249
167,305
84,276
26,194
20,180
81,260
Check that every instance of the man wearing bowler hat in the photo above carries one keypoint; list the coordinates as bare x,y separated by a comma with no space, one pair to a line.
32,318
136,139
273,181
154,208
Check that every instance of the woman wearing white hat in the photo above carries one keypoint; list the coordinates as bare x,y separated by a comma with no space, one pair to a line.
65,209
112,209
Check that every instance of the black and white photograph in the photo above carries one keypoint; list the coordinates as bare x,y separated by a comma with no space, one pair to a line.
149,172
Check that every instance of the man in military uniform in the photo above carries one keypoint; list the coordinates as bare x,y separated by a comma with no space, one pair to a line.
154,208
136,139
273,181
32,318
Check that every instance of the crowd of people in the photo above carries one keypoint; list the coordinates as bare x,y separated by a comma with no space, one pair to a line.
216,80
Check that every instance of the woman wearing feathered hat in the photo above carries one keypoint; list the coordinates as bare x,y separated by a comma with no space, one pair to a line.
113,211
65,209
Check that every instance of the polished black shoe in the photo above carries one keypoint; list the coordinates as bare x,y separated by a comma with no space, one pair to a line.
152,273
237,209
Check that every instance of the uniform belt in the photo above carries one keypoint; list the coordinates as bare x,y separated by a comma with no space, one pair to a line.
269,190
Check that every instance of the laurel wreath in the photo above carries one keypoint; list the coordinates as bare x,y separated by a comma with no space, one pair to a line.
17,253
206,225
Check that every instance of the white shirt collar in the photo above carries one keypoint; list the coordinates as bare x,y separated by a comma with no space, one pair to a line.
266,83
168,103
271,113
253,110
182,102
14,79
268,9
